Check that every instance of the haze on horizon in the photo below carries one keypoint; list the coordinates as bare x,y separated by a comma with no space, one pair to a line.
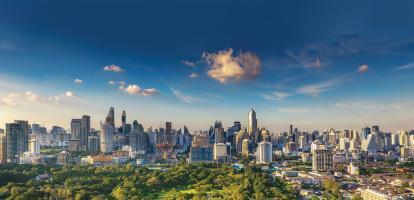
335,65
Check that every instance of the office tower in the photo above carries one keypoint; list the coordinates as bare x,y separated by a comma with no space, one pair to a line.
220,151
123,118
200,154
264,153
75,128
343,144
15,145
264,135
106,137
372,144
35,129
404,138
93,144
290,130
322,160
34,146
219,135
75,132
26,128
365,132
387,142
353,145
404,153
246,147
302,142
169,134
240,136
3,148
137,138
375,129
111,117
395,140
237,125
252,125
84,132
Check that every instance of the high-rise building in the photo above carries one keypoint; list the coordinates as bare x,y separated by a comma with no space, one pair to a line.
34,146
75,128
26,129
137,138
75,133
84,132
220,151
240,136
264,153
246,147
252,125
15,146
322,160
219,135
3,148
106,137
93,144
201,154
111,117
123,118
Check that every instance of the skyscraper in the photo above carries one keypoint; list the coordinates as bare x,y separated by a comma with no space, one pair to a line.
15,142
25,126
111,117
252,125
75,133
168,133
106,137
322,160
264,153
123,118
3,148
137,138
85,130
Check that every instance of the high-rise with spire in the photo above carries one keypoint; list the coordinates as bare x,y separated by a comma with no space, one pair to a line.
111,117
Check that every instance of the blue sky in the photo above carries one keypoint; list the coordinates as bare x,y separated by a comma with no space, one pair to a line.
316,64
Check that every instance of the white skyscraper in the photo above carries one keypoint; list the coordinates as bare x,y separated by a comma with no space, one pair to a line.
264,153
106,137
34,146
252,125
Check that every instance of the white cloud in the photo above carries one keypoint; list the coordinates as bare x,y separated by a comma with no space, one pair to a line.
137,90
225,67
294,110
132,89
193,75
185,98
78,81
150,92
406,67
363,68
113,68
276,96
316,89
69,94
188,63
15,99
116,82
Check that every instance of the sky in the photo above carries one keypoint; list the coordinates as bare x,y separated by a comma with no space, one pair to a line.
314,64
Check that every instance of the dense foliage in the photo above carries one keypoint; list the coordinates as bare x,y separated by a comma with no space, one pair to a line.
183,181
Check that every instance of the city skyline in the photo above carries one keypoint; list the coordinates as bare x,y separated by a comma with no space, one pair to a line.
336,67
